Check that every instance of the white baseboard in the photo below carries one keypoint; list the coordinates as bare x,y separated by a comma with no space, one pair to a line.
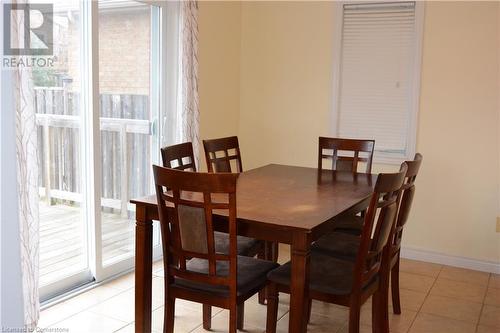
444,259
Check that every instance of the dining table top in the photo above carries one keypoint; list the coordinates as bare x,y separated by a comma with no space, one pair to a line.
295,198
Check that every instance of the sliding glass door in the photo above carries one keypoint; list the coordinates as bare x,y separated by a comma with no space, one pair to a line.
64,259
95,113
128,147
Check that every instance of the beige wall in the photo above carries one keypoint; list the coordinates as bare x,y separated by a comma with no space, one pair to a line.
457,202
286,81
285,102
219,69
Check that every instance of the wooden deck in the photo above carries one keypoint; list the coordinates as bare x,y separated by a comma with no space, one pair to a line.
63,240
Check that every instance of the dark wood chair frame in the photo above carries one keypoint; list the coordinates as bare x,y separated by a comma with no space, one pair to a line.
372,261
223,164
175,256
407,195
408,192
179,153
345,163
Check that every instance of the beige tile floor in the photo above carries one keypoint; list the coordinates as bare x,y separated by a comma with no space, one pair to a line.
435,299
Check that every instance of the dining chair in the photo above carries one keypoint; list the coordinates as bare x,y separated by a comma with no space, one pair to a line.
220,153
344,245
346,153
194,270
223,155
351,283
181,157
404,212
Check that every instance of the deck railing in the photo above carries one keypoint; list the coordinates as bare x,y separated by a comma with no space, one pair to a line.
125,147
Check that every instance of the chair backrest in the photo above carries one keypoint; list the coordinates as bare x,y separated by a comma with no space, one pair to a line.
378,225
179,157
341,147
406,200
186,201
219,153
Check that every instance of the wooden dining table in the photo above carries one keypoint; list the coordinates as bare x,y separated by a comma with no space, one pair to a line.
279,203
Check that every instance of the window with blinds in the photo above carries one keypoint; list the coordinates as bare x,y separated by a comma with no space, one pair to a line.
377,84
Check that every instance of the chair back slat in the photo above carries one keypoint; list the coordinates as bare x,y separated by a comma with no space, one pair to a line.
186,201
379,223
341,147
174,157
406,199
223,146
198,277
405,206
383,226
207,198
218,256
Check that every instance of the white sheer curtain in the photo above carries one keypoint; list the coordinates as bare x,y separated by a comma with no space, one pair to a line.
181,121
27,180
189,109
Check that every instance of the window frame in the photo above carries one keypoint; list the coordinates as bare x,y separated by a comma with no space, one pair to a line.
380,157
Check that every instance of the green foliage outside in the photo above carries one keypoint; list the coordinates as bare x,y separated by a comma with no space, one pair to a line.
44,77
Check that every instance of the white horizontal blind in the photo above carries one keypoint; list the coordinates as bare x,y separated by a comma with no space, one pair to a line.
377,57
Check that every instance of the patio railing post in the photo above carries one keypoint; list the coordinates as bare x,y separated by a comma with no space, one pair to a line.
46,159
124,173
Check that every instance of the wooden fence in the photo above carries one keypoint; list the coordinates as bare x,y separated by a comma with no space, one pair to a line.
125,147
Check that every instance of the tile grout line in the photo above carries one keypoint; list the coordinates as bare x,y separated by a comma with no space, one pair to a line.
82,310
459,298
200,325
119,290
425,298
482,306
118,330
450,318
97,314
420,274
456,298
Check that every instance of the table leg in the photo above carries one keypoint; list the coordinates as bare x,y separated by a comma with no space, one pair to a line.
299,288
143,270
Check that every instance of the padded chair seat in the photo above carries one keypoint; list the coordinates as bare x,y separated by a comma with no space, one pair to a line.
245,245
252,274
351,225
327,274
338,244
